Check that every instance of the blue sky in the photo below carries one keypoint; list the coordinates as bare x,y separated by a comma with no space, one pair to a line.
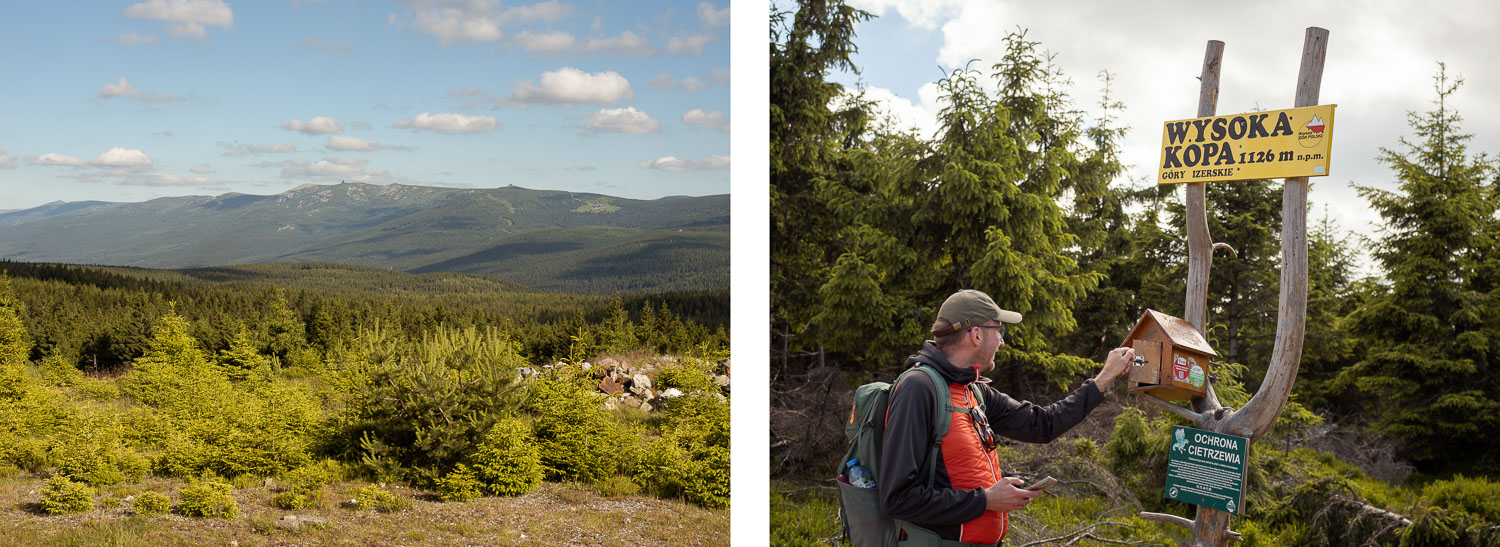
1382,56
133,100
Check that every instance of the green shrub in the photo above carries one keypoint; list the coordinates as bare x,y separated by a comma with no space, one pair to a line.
691,459
508,461
576,438
1474,496
208,497
109,501
375,498
460,484
62,495
152,503
58,371
687,375
305,487
298,499
420,409
616,486
97,389
92,449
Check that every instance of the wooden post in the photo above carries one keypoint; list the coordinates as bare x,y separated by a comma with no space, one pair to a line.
1211,527
1200,243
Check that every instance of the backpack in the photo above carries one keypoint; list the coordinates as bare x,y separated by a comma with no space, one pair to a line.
859,508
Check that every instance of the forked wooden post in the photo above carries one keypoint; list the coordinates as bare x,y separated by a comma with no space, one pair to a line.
1211,527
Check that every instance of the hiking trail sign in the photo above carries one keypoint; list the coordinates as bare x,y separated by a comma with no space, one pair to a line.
1208,469
1255,145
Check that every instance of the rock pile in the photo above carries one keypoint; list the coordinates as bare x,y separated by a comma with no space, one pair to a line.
634,385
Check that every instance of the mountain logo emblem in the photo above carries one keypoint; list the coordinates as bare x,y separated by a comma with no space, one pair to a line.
1316,125
1312,133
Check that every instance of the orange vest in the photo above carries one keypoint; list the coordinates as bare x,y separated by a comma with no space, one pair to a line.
970,466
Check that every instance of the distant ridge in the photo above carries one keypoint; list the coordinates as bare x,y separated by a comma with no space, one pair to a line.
576,242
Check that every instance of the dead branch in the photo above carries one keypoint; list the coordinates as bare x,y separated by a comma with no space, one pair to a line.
1085,531
1225,246
1367,509
1186,414
1173,519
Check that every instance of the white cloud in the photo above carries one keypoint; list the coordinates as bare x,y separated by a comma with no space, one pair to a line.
627,43
6,161
712,119
122,166
623,120
55,159
320,125
237,150
688,44
124,88
902,113
544,42
352,144
550,11
341,142
133,39
456,24
449,123
469,21
670,163
926,14
184,17
711,16
331,169
691,84
570,86
122,158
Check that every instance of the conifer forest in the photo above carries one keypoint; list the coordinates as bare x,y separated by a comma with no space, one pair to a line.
325,389
1389,434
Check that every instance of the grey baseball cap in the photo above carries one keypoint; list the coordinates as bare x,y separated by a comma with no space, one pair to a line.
967,308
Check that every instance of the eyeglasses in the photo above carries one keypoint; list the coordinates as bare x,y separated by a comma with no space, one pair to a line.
1001,326
982,428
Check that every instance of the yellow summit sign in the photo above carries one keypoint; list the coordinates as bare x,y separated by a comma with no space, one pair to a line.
1255,145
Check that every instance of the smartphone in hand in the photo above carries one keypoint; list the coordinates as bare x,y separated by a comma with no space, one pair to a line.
1043,484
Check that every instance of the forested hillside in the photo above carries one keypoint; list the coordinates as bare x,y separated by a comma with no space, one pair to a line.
300,387
554,240
1022,195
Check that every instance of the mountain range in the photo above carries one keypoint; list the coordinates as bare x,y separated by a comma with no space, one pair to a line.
545,239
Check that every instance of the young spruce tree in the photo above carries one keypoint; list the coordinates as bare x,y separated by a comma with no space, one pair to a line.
1432,339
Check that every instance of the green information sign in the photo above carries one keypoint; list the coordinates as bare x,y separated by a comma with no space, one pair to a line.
1208,469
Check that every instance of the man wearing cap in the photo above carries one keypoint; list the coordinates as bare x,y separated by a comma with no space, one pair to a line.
968,500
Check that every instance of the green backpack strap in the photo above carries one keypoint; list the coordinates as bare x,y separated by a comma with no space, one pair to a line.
942,419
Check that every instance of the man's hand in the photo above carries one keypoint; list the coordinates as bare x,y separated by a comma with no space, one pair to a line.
1004,496
1116,364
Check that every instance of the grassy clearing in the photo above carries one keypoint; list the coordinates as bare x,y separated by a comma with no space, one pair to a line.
553,514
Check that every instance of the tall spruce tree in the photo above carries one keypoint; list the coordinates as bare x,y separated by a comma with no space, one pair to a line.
979,206
810,136
1097,216
1431,339
15,345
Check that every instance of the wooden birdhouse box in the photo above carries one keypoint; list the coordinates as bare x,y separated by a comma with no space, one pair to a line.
1171,357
